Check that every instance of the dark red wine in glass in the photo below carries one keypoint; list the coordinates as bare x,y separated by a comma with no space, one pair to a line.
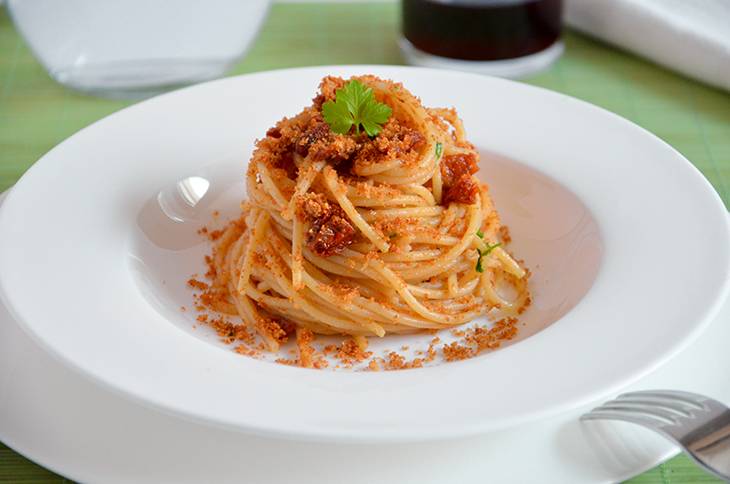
481,30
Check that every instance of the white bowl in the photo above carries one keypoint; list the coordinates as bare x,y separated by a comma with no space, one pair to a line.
97,282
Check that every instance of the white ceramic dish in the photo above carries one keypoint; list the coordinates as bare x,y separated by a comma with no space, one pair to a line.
71,251
73,426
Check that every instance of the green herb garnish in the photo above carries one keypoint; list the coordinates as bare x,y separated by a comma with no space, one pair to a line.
356,106
439,150
485,251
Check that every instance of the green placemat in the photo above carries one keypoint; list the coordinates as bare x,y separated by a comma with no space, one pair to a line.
36,114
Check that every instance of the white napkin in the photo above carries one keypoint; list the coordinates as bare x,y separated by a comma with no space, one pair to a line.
689,36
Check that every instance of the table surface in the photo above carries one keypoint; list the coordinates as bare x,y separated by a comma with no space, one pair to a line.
36,114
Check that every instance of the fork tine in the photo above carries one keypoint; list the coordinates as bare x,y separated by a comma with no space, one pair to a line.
690,399
675,408
658,415
650,423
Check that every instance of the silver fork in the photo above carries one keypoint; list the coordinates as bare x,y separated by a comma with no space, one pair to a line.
698,424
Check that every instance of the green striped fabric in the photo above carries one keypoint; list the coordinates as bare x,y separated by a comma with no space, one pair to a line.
36,114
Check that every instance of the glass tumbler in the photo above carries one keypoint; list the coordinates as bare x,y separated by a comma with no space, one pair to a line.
506,38
137,48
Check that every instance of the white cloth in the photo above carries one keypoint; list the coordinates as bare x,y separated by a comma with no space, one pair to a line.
689,36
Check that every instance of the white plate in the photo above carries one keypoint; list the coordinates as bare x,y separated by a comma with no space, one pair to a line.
66,423
72,225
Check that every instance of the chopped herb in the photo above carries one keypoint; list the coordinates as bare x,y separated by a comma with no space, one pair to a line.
479,267
480,234
439,150
356,106
484,252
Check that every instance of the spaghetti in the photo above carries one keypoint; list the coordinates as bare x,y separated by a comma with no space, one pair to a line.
364,236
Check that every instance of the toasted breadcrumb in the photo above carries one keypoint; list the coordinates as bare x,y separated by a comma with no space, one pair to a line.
350,352
242,349
304,345
396,361
455,351
505,235
196,284
373,365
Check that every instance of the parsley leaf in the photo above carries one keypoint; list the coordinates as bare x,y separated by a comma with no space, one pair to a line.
372,116
356,106
485,252
439,150
337,116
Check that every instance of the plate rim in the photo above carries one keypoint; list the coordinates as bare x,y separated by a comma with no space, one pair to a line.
66,471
